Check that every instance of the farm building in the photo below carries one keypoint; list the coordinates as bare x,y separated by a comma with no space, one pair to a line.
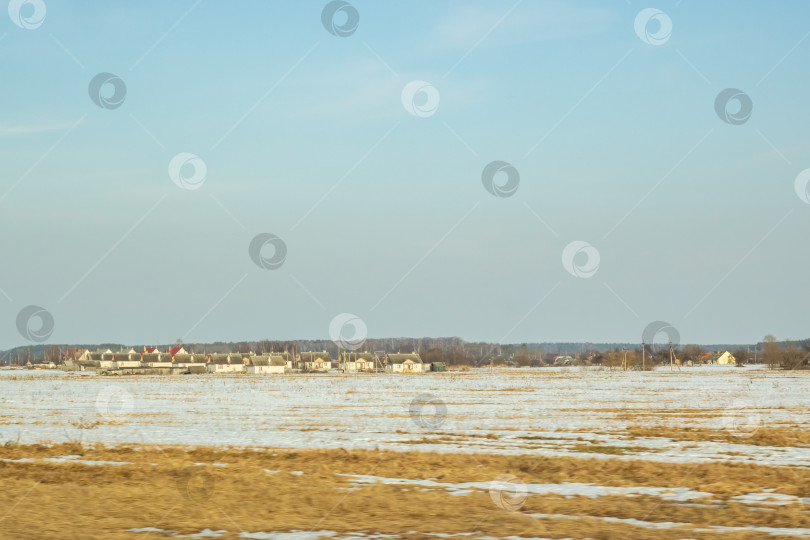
126,360
79,365
353,361
156,359
95,356
563,360
404,363
721,357
78,355
265,364
314,361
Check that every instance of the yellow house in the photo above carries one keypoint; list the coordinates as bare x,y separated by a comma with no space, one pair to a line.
352,361
722,358
404,363
315,361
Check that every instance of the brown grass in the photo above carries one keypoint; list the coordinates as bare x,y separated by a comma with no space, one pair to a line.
162,488
764,436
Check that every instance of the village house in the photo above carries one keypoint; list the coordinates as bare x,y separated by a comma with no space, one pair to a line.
315,361
188,360
239,358
226,363
721,357
289,359
353,361
265,364
176,350
405,363
218,363
278,360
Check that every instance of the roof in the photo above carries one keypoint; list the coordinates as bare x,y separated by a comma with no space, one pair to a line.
312,356
150,357
174,350
277,360
185,358
237,358
219,358
150,350
400,358
260,360
121,357
268,360
356,357
95,356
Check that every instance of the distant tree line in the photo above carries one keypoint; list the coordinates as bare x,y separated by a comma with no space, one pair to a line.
457,352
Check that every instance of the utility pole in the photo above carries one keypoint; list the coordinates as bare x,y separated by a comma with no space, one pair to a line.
672,358
624,362
643,347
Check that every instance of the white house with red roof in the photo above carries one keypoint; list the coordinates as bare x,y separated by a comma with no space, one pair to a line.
176,350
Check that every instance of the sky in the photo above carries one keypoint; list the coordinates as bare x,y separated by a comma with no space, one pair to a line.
511,172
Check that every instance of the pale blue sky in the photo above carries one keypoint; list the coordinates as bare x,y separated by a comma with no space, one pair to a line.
616,141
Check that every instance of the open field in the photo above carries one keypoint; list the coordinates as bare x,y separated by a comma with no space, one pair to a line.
710,452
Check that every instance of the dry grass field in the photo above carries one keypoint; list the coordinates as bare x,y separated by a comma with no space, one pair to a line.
510,454
71,491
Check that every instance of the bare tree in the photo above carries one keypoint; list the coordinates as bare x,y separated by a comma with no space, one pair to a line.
792,358
771,352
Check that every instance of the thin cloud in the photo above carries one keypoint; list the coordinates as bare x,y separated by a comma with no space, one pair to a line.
33,129
530,22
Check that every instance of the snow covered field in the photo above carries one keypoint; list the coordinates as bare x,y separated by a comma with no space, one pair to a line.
571,411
